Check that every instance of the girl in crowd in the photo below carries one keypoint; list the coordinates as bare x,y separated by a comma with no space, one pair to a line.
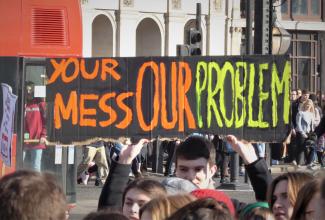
306,201
305,124
283,190
161,208
138,193
117,193
283,193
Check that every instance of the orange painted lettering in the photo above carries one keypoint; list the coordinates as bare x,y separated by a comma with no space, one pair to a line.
107,109
183,104
87,111
138,95
84,72
75,63
128,112
70,110
58,69
164,121
109,69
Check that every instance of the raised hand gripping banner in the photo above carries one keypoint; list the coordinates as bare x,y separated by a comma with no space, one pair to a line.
89,98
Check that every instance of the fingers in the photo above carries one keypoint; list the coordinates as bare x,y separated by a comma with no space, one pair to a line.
231,139
243,148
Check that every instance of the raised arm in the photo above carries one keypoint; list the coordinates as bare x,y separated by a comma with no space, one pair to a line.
257,169
118,177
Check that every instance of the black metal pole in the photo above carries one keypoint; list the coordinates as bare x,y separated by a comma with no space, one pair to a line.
234,168
198,16
322,68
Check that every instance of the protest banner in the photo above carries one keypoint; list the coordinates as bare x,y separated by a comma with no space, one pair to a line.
6,130
247,96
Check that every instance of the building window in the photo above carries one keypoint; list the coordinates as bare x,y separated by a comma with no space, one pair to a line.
303,53
308,10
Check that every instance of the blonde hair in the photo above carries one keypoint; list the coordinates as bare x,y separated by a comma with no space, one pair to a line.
161,208
305,103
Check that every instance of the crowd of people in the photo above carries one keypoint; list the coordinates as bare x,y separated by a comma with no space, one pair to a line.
305,147
191,194
189,190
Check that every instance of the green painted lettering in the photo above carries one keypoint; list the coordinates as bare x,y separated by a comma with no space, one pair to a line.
251,122
239,88
262,96
227,68
200,87
211,103
277,88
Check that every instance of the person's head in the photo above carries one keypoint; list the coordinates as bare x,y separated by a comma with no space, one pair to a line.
217,195
293,95
299,93
282,193
105,215
29,90
163,207
313,98
320,211
308,106
30,195
176,185
138,193
307,199
195,161
202,209
257,210
304,95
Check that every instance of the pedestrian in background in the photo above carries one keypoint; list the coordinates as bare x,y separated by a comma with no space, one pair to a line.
35,129
96,152
305,125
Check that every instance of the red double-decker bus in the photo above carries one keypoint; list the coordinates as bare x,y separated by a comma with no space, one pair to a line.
32,30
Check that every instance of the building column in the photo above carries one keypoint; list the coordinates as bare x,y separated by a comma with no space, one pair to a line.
216,28
235,29
126,33
87,20
174,23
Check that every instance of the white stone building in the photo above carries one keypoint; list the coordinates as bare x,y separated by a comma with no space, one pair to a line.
128,28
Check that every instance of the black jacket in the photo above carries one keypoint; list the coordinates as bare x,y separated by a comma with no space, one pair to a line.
320,129
112,192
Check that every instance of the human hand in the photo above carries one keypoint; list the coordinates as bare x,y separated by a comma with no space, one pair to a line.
42,140
130,151
245,149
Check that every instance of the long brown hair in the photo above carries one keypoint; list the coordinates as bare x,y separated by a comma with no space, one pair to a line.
203,209
305,195
161,208
151,188
296,180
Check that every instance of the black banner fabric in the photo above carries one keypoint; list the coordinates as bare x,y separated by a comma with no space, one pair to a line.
247,96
